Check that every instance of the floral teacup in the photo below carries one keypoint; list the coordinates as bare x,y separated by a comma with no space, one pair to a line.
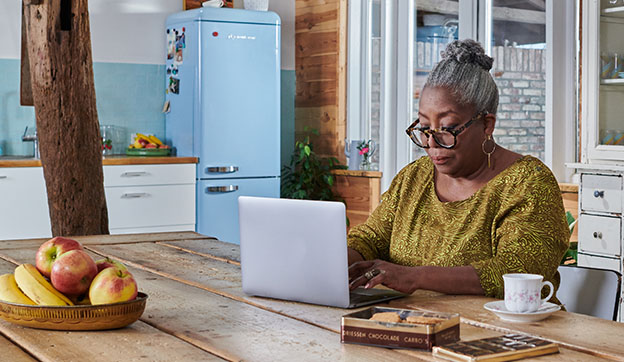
522,292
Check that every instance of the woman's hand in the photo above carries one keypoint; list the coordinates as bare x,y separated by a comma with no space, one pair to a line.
373,272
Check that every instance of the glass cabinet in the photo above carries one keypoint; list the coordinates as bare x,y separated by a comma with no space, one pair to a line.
602,86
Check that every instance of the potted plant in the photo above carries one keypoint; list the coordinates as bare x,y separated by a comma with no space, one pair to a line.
309,175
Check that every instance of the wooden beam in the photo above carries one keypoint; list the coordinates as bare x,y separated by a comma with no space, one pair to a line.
26,97
61,75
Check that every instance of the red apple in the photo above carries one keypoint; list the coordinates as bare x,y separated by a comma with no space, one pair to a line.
73,272
113,285
108,263
49,252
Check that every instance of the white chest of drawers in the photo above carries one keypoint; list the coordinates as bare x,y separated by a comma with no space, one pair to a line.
600,224
140,198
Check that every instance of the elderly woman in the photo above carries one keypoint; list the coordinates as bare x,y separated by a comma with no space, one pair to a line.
456,220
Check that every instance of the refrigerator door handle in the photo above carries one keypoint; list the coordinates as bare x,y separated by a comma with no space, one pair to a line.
221,189
221,169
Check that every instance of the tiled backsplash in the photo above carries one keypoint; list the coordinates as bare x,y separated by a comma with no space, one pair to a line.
128,95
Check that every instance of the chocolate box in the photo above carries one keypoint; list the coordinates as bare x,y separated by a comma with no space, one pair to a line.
359,329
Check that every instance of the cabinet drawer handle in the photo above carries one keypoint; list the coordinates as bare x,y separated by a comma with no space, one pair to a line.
222,169
134,195
1,177
598,194
597,235
229,188
133,174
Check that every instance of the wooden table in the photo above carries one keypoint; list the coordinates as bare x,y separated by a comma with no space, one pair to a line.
196,311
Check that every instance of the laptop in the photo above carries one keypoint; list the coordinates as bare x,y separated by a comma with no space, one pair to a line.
297,250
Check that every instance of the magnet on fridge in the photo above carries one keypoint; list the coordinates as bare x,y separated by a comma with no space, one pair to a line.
166,107
174,85
171,40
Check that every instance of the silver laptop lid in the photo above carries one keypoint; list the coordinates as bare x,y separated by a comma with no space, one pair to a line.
294,250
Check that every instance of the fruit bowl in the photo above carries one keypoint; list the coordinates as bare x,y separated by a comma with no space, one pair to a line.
75,318
148,152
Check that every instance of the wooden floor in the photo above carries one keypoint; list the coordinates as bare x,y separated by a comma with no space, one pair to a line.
197,311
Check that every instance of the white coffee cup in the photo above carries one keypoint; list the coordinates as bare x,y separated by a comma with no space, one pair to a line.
522,292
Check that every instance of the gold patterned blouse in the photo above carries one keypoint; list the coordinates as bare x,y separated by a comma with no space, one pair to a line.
514,224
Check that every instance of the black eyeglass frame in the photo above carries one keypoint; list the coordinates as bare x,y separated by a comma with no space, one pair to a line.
452,130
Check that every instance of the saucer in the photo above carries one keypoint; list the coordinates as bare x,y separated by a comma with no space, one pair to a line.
498,308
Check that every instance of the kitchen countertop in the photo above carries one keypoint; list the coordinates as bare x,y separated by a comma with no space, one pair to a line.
197,311
21,161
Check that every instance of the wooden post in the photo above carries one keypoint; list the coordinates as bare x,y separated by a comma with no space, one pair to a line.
61,77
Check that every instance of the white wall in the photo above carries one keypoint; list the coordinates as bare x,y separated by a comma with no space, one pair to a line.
131,31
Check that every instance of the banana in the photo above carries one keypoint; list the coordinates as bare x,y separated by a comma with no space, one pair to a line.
155,140
34,285
9,292
142,136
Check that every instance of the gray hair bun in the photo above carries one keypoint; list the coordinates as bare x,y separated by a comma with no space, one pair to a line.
468,51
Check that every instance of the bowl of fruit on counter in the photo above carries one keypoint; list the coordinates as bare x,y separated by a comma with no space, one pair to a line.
147,145
64,288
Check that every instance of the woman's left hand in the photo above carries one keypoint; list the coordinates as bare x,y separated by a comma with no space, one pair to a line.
373,272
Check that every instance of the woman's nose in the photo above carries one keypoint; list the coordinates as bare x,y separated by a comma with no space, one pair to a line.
432,142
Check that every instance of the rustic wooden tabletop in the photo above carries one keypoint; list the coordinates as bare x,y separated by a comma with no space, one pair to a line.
197,311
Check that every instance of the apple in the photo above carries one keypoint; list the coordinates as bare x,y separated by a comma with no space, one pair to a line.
113,285
49,252
108,263
73,272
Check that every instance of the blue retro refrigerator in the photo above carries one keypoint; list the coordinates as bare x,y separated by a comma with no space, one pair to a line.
222,100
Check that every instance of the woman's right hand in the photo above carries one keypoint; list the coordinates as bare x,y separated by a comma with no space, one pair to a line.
373,272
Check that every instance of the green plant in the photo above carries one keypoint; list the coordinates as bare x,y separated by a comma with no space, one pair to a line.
571,255
309,175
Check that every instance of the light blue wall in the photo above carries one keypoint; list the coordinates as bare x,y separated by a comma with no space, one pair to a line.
13,117
128,95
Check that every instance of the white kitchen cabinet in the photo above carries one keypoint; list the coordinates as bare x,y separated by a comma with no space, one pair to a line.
601,170
140,198
23,204
149,198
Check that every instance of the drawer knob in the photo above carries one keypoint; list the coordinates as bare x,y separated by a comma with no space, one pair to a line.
598,193
597,235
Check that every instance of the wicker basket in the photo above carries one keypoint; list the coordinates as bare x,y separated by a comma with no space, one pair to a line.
75,318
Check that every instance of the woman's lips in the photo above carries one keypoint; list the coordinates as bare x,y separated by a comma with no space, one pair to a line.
439,160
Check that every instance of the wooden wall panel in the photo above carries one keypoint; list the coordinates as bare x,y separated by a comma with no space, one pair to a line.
320,64
569,193
361,192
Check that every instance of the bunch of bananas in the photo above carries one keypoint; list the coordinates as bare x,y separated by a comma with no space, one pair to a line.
147,141
27,286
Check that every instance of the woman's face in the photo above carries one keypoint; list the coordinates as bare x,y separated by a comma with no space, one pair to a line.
439,109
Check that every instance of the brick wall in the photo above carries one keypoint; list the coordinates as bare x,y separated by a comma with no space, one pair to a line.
520,77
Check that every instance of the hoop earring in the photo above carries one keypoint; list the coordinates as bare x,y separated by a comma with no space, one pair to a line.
489,138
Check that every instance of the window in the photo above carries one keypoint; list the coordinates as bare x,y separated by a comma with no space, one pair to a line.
396,39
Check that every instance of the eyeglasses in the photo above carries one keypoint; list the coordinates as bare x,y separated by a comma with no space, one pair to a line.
445,137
